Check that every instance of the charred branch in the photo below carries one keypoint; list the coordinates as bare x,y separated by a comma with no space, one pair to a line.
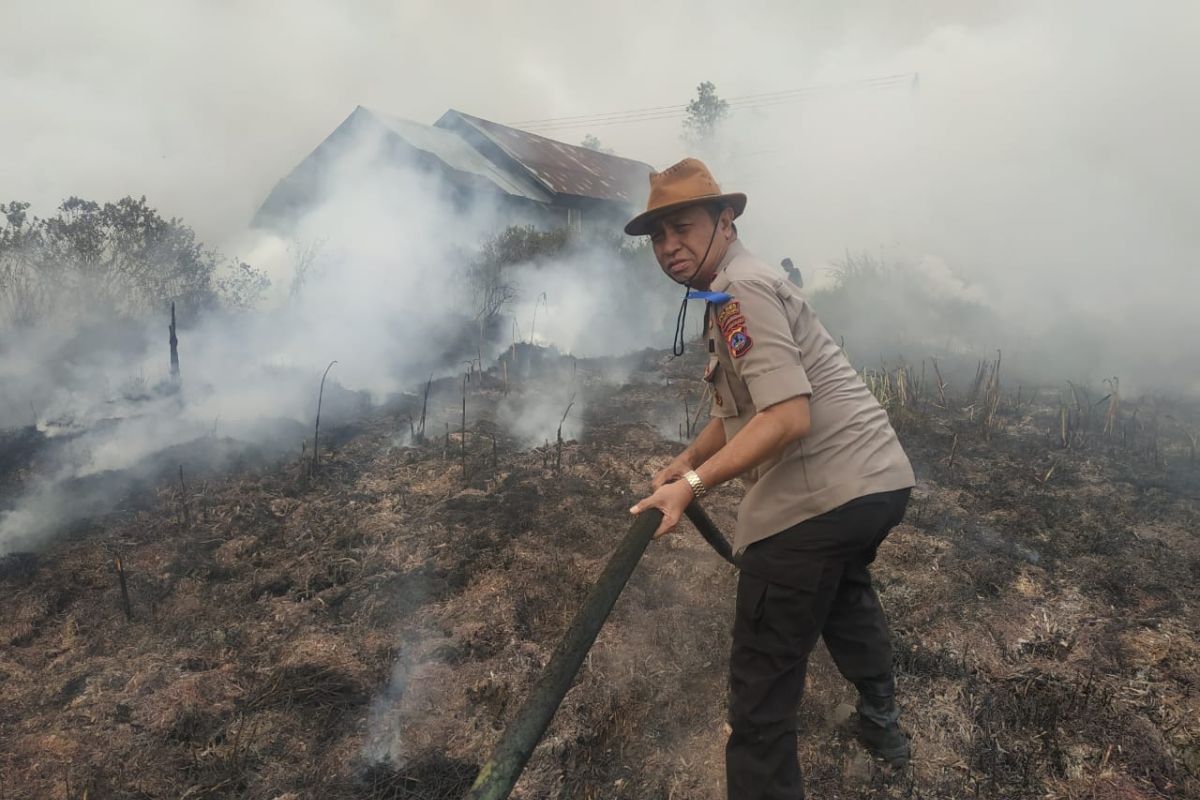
316,455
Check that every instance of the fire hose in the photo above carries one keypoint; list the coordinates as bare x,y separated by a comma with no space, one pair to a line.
499,774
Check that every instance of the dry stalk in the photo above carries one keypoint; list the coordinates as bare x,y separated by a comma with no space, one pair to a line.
419,435
1083,406
980,375
991,398
880,385
185,519
174,343
561,422
953,450
316,459
941,385
1114,405
205,499
120,567
1132,425
463,429
541,298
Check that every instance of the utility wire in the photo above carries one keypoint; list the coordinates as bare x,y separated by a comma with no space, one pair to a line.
604,122
903,77
742,102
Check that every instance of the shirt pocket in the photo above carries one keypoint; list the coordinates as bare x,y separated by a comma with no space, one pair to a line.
723,404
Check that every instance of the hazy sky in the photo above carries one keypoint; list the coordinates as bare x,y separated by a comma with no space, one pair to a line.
203,105
1047,154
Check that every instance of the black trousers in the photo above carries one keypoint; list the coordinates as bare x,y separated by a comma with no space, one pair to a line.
806,582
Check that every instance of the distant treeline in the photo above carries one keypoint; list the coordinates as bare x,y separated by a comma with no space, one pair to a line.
118,258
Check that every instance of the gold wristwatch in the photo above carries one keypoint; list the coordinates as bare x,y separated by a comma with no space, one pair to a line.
698,487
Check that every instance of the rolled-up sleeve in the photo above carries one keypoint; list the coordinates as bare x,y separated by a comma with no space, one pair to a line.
758,333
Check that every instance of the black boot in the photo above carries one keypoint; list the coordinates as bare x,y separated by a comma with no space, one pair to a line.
877,725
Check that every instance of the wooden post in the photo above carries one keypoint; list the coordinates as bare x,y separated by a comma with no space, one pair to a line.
420,436
174,347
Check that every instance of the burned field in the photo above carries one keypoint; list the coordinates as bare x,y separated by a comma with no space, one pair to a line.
366,630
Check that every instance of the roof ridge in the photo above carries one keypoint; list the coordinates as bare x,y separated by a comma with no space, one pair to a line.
588,150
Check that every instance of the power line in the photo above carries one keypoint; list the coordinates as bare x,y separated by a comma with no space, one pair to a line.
760,100
606,122
903,77
676,114
590,116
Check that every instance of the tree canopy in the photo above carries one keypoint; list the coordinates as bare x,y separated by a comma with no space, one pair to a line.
122,258
705,113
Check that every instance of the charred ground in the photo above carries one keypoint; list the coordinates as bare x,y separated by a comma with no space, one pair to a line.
367,631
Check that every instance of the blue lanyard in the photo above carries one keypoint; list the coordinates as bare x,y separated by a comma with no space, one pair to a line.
716,298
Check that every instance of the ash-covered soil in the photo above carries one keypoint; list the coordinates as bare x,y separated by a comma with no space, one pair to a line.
367,631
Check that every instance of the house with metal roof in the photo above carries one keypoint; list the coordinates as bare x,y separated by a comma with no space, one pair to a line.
526,178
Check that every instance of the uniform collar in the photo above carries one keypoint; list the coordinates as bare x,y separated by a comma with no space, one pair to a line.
720,281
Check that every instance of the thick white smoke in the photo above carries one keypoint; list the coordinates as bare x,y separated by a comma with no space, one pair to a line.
386,294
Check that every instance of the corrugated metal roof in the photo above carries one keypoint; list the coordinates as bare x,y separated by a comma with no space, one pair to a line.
564,168
452,150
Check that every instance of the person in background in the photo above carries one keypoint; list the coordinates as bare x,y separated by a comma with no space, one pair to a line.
792,273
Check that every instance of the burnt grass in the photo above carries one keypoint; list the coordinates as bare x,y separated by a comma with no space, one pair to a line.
367,631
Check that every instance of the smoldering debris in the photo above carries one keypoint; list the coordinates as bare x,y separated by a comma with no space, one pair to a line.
259,631
104,387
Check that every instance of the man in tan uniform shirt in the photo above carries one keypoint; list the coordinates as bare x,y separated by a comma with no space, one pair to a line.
827,480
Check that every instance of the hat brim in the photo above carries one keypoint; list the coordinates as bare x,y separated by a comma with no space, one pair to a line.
643,224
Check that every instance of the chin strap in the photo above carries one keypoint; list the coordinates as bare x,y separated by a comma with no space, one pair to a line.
678,344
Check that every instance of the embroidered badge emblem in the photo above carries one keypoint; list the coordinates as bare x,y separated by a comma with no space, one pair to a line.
739,343
733,329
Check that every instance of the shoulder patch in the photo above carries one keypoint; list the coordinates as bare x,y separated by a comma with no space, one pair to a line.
733,329
739,342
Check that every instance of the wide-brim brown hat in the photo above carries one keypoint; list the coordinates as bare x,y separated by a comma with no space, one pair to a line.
687,183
